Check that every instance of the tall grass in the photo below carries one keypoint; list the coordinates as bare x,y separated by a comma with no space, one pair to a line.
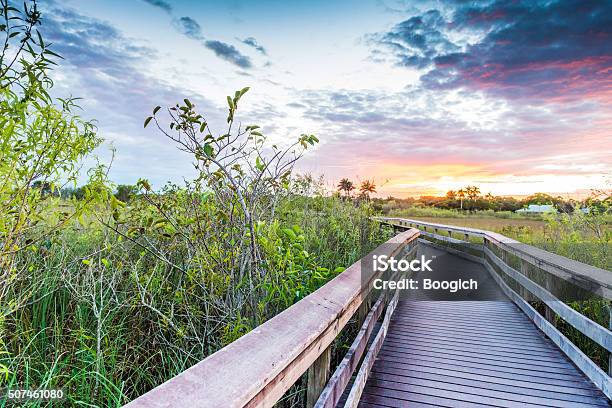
85,327
418,211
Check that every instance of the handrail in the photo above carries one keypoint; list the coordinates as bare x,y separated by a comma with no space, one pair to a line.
589,328
368,361
258,368
462,230
596,280
591,278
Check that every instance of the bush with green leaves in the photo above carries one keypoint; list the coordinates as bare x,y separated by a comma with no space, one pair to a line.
42,142
111,294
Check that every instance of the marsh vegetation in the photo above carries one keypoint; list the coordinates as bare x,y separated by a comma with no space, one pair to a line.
107,291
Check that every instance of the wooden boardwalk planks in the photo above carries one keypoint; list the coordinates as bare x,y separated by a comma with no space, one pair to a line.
441,352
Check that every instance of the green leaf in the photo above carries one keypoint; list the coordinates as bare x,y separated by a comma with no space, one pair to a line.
230,103
147,120
259,165
53,54
40,40
289,232
144,184
157,108
208,150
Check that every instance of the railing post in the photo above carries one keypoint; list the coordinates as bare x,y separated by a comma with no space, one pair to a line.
363,310
318,375
610,328
525,294
548,312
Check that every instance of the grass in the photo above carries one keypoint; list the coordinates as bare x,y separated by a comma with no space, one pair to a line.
86,327
417,211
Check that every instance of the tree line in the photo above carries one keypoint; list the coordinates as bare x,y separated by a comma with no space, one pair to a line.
470,198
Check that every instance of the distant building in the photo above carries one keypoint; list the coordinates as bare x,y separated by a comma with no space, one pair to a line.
538,209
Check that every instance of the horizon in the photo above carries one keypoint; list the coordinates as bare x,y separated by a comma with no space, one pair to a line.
421,97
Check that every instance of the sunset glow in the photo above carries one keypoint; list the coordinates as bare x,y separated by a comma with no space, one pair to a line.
422,97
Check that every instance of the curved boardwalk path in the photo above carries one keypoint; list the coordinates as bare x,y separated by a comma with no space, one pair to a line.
470,350
419,348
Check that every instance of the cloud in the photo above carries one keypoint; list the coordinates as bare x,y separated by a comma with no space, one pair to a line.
192,29
90,43
417,41
229,53
419,134
108,71
165,6
189,27
252,42
518,49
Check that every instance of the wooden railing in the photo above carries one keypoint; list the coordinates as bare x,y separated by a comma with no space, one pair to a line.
537,276
258,368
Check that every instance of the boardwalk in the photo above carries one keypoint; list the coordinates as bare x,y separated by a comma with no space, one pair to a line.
471,350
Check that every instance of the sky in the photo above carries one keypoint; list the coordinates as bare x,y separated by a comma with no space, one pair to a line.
419,96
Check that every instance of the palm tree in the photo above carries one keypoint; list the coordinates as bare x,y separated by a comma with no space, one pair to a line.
366,188
472,192
346,185
461,195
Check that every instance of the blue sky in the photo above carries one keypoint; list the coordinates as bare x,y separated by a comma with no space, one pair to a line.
421,96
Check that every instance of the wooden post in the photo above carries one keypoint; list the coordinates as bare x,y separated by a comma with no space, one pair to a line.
318,375
523,270
524,292
548,312
363,310
610,328
504,257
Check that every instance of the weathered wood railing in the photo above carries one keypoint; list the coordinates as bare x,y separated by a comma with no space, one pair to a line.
525,274
258,368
